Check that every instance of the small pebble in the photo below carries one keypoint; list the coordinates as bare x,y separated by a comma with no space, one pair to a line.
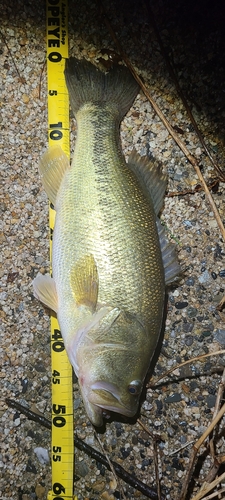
214,275
77,403
187,223
170,431
17,422
134,439
181,305
189,340
174,398
219,336
40,491
206,333
81,468
190,281
24,383
222,273
204,278
31,467
211,400
191,312
188,327
42,455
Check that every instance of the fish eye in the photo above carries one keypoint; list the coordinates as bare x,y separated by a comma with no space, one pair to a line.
135,387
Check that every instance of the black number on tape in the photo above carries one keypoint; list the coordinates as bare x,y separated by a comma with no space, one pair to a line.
56,449
56,135
56,381
59,421
55,57
55,374
58,409
58,488
56,335
58,346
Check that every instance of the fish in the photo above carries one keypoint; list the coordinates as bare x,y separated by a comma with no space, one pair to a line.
111,260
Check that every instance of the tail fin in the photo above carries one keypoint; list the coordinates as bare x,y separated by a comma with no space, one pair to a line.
86,83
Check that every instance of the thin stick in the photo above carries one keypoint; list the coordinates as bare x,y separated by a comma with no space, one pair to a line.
197,189
155,439
197,358
22,79
221,304
111,466
180,449
41,74
216,409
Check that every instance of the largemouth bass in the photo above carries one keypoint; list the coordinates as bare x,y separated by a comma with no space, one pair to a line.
110,259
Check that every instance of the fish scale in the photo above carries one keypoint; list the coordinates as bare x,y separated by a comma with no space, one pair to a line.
108,267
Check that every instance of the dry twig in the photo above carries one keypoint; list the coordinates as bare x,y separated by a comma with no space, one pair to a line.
216,410
192,360
22,79
156,462
111,466
41,75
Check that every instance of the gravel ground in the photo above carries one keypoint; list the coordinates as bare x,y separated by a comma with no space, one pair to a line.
180,409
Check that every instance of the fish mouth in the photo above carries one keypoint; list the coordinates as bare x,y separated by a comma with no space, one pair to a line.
106,396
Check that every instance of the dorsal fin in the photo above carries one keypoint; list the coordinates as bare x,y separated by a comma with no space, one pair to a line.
151,179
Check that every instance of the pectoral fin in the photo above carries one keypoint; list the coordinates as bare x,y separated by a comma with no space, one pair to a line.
52,166
84,282
45,291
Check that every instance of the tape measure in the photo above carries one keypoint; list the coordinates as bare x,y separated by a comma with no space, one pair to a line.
62,445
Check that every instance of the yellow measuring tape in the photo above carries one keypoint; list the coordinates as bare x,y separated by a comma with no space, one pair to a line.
62,446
